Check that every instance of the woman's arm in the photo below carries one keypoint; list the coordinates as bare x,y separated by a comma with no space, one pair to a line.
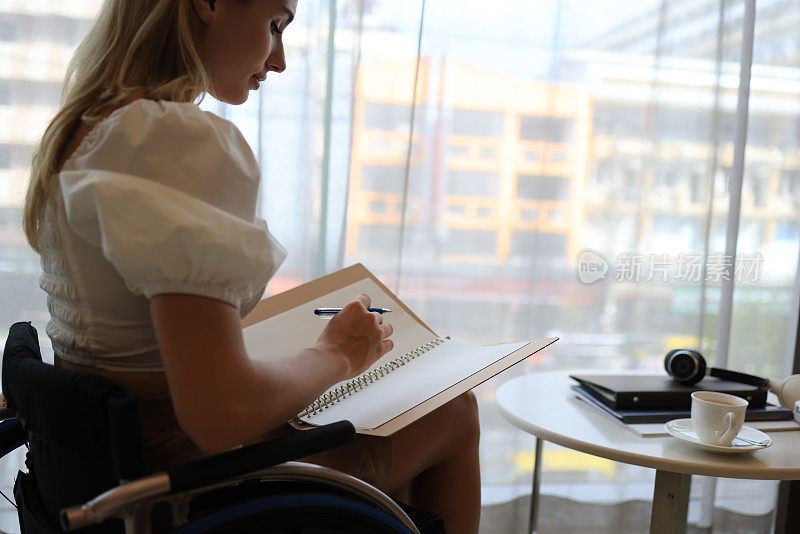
222,398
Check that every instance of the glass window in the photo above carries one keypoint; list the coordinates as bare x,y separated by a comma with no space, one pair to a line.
475,123
627,91
546,245
548,129
789,184
542,187
458,151
469,242
688,125
383,178
473,183
5,93
488,153
387,117
8,31
382,238
613,119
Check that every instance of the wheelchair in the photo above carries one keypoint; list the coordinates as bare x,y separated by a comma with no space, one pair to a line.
87,474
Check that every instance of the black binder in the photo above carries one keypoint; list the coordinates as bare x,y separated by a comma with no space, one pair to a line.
767,413
631,392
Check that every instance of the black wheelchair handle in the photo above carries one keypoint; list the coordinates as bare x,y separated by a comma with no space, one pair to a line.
12,435
220,467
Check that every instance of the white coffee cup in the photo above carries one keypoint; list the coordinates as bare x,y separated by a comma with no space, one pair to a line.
717,417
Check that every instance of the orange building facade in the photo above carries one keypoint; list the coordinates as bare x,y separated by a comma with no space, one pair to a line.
497,165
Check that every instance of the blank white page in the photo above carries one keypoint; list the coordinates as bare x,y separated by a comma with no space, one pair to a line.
409,385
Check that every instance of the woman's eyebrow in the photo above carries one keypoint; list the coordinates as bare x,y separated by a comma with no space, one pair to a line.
291,15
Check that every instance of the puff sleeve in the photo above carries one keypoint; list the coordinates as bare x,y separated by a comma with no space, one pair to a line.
167,192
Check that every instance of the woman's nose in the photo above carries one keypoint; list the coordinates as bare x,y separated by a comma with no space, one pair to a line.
277,59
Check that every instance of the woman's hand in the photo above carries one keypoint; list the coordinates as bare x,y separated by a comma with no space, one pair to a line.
219,393
356,335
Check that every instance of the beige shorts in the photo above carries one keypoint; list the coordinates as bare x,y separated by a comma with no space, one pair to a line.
368,457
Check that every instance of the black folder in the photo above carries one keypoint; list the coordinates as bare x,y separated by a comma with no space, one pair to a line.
767,413
631,392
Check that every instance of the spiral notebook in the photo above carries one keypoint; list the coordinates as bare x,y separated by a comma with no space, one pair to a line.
422,372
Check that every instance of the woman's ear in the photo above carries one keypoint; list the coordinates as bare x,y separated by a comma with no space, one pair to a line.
204,9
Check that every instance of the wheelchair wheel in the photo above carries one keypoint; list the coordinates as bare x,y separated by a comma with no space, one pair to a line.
297,514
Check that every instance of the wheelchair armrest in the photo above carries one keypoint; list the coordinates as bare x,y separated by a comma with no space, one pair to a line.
230,464
208,471
12,435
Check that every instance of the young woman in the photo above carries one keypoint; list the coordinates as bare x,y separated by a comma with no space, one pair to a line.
142,207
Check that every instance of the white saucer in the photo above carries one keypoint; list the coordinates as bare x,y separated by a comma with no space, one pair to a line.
684,431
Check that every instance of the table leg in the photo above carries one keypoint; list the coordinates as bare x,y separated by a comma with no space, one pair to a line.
537,480
708,494
787,516
670,503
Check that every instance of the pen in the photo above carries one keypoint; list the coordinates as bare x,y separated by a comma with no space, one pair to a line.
334,311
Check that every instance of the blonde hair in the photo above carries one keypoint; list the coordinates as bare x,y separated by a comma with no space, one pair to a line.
145,47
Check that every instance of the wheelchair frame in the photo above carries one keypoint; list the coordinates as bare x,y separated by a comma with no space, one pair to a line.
132,500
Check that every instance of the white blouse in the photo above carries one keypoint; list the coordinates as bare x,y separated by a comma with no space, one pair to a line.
158,198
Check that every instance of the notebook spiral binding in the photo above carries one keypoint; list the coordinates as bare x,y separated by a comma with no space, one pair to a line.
335,395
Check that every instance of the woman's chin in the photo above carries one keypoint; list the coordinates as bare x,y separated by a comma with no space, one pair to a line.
232,97
240,100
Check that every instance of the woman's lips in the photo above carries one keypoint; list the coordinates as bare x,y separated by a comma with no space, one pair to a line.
258,79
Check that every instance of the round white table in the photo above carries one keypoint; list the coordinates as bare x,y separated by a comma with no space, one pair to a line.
542,404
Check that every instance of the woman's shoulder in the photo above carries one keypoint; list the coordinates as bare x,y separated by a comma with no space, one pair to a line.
144,133
145,115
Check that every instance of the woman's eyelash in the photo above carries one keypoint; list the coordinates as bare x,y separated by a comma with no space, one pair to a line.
275,28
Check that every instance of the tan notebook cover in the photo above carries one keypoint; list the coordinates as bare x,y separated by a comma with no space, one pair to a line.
421,373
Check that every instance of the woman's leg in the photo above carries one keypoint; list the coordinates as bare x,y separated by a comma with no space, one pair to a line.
436,461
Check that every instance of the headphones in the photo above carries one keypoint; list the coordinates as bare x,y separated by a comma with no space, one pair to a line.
689,367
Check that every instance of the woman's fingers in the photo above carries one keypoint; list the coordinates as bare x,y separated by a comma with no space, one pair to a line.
385,330
364,299
358,334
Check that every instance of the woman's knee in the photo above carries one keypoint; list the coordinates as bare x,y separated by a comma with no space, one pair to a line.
463,411
454,424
